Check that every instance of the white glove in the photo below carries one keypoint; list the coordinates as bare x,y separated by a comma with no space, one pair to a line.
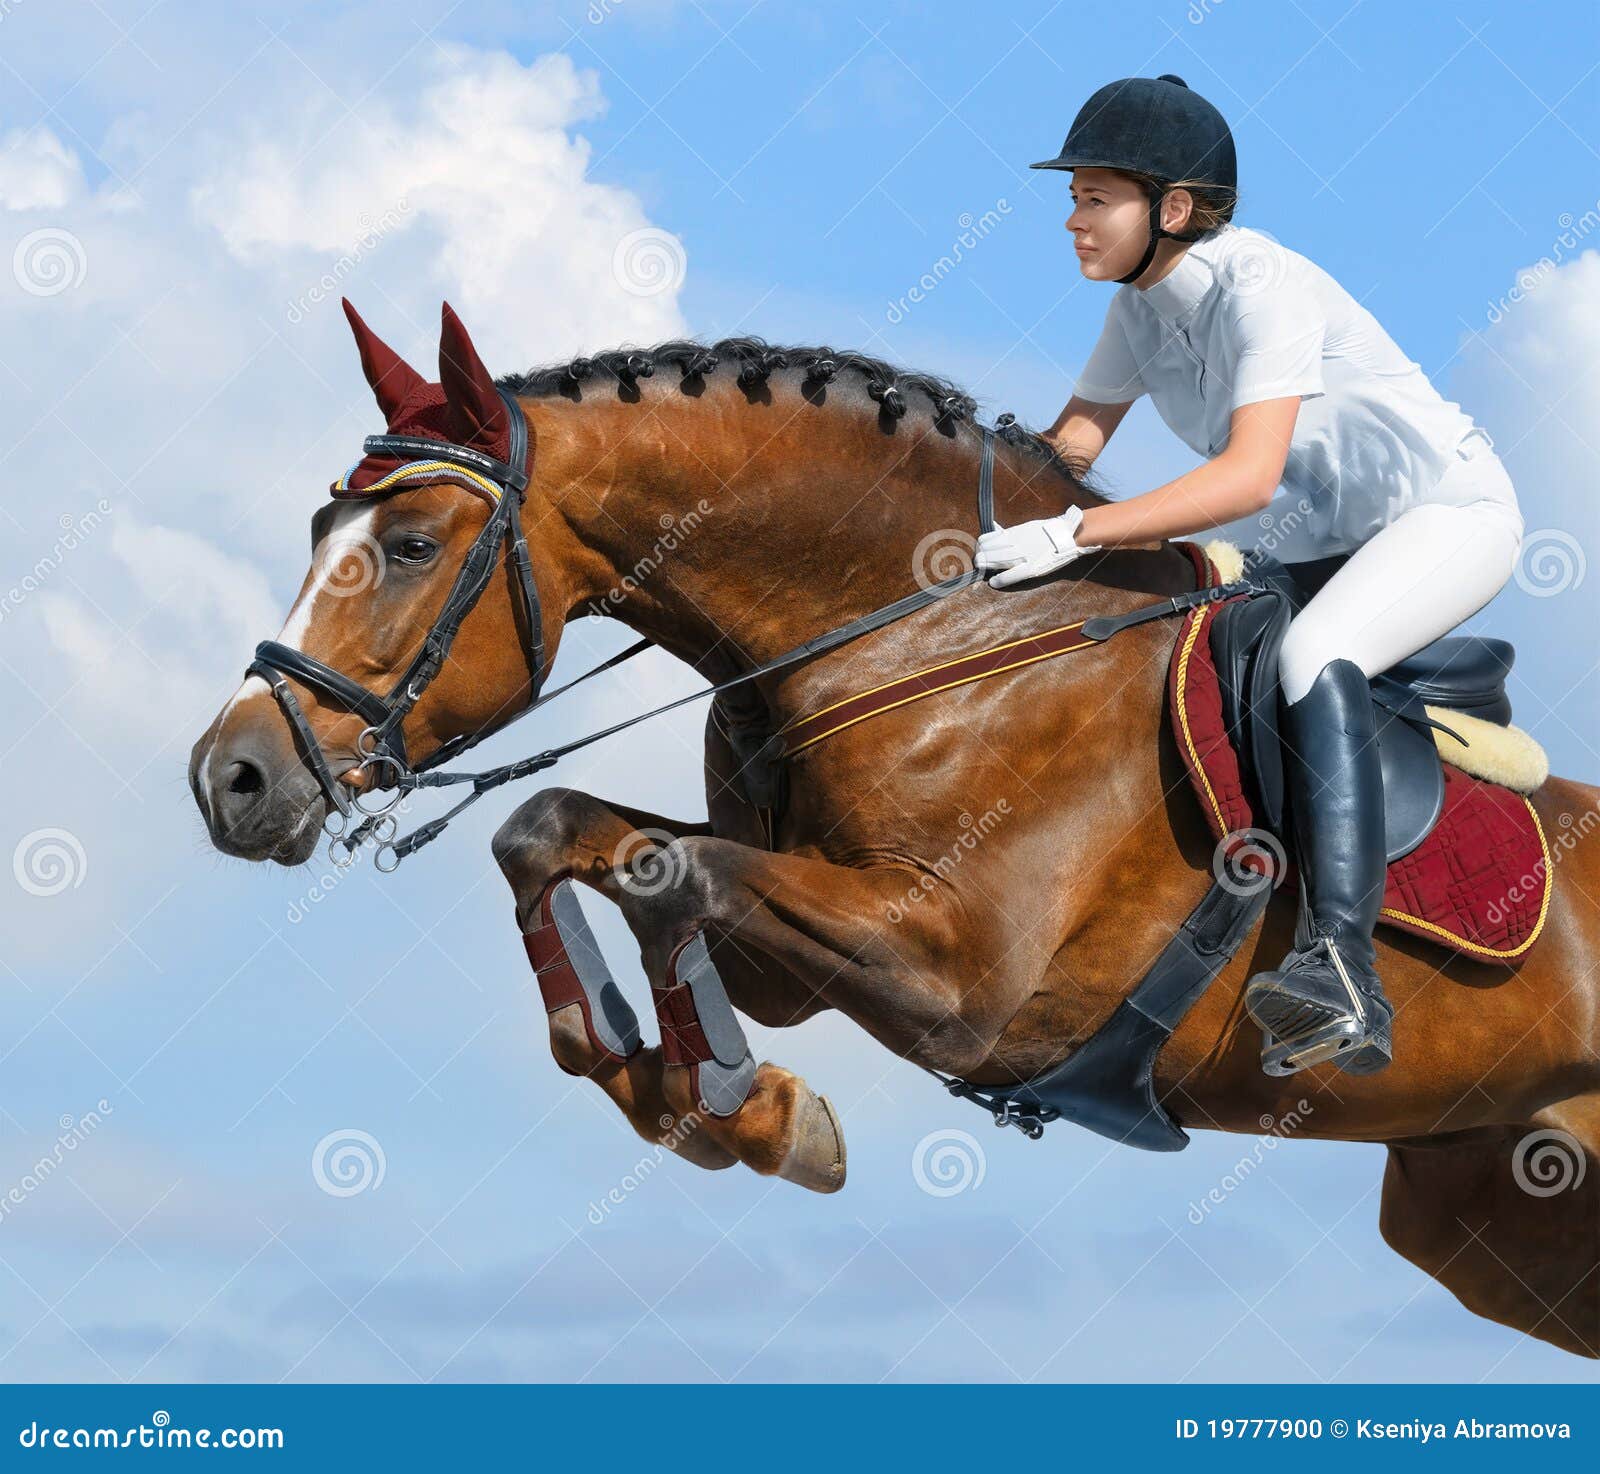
1030,549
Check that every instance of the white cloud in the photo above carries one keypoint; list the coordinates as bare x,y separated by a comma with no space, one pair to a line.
217,595
211,420
477,178
1533,380
37,171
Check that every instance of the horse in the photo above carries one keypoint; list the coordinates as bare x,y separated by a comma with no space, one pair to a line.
726,502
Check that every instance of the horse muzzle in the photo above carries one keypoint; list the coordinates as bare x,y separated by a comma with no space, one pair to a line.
258,799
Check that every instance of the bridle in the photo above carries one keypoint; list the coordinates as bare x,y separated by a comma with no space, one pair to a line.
381,744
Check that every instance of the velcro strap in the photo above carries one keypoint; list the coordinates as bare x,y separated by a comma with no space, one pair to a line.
558,982
683,1041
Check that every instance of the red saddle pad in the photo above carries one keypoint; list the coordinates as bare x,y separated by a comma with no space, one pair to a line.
1479,883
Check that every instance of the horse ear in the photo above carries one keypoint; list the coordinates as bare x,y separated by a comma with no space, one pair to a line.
391,377
477,415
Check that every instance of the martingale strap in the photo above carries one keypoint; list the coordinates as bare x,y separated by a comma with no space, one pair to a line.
808,730
929,681
525,767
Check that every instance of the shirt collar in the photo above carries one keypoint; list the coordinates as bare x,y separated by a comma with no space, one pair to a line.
1174,298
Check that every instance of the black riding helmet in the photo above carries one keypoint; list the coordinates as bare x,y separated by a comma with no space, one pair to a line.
1155,126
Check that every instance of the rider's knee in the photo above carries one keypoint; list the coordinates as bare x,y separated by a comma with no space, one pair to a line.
1308,646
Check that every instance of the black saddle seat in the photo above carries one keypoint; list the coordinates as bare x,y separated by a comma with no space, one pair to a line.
1464,672
1460,672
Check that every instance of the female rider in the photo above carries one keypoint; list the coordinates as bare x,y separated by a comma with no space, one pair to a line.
1404,521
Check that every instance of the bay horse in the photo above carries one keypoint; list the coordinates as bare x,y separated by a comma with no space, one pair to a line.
728,501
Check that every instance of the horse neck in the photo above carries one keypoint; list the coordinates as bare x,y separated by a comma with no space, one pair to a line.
728,531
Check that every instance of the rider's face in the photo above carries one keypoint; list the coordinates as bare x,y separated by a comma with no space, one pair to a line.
1110,223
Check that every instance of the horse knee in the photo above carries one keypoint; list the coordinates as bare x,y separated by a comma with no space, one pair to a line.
532,840
673,887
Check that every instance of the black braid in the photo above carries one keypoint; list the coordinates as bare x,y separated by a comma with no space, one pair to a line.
757,362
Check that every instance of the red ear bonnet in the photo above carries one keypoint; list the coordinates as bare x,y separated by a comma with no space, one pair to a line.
463,409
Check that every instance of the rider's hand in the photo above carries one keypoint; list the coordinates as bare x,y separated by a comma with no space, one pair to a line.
1030,549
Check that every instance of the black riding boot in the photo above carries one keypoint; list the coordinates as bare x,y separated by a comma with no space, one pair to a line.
1325,1001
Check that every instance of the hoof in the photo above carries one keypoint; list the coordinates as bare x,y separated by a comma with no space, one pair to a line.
817,1158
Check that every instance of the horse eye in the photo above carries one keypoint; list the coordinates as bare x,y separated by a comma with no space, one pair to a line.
414,549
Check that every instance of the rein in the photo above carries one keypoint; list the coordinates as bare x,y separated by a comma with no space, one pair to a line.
381,743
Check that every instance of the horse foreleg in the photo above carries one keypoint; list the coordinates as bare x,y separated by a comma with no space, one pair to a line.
1508,1220
702,1095
707,904
593,1032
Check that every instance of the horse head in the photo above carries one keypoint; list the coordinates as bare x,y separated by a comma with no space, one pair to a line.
379,665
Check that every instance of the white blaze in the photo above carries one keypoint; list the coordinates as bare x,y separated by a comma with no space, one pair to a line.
352,528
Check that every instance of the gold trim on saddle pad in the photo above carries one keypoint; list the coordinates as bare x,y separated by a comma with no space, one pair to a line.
1197,622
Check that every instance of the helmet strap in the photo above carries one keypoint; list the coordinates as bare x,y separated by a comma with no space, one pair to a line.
1157,235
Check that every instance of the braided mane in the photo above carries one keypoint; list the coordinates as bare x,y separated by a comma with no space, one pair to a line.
753,362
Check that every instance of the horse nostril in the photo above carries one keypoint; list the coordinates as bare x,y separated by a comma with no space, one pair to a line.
246,779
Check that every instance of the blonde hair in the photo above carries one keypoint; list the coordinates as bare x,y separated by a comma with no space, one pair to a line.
1212,204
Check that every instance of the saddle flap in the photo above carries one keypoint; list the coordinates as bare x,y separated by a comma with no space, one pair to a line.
1413,782
1245,638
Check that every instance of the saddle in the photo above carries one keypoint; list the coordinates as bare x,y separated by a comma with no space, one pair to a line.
1468,863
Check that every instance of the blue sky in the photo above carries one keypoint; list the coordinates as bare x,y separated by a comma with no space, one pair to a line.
191,172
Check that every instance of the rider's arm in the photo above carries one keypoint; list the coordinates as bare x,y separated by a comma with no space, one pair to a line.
1236,483
1083,427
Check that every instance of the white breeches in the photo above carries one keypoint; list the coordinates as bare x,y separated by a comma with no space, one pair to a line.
1414,580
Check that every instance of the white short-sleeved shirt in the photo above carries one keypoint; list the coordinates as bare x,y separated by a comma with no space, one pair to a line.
1241,318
